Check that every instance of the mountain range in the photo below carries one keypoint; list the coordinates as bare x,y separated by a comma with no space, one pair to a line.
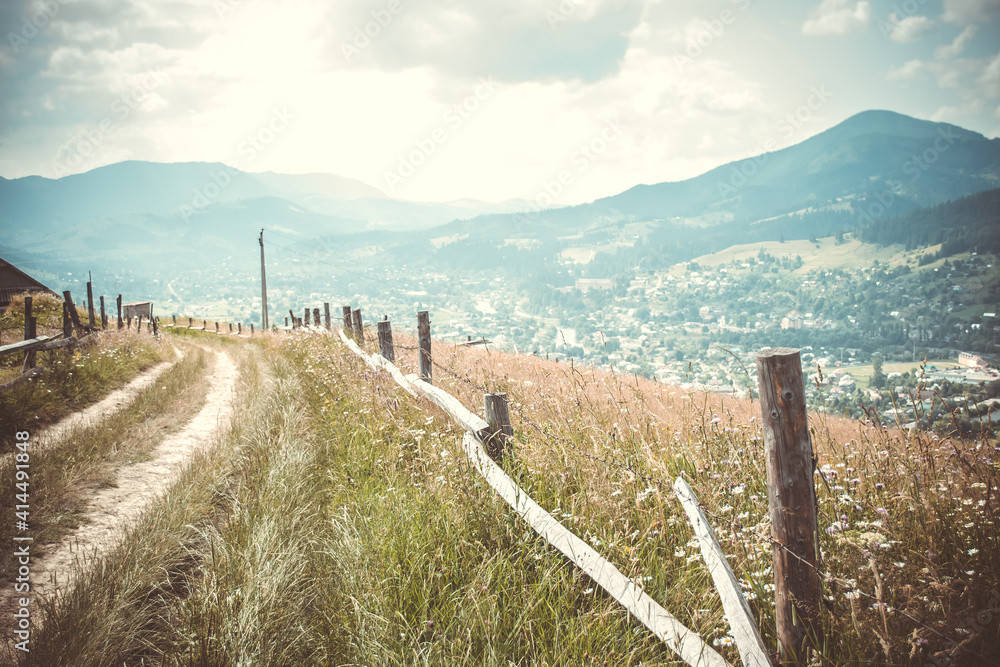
873,165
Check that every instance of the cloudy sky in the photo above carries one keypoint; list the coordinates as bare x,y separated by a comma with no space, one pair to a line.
442,99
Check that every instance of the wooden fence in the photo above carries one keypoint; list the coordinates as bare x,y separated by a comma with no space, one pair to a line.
484,445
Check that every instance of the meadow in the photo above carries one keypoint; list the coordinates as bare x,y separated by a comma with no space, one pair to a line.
337,522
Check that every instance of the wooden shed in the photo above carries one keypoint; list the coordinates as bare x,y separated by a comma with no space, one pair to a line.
15,281
137,308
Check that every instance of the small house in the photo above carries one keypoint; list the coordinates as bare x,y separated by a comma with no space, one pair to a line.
15,281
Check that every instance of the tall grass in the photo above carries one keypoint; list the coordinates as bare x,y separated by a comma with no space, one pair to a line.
64,473
343,526
74,379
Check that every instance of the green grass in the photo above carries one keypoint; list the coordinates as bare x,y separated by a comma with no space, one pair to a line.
62,473
862,374
339,524
74,379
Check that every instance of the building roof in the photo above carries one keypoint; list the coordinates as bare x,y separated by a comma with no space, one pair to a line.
15,281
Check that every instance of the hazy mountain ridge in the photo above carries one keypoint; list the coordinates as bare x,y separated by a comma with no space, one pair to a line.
877,164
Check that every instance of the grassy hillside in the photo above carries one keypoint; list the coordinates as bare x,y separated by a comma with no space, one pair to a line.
338,523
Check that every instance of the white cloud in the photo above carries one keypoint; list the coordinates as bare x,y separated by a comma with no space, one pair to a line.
910,28
989,80
969,11
838,17
955,49
910,70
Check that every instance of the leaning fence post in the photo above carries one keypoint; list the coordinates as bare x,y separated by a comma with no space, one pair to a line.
385,341
121,322
90,304
359,329
29,331
348,327
326,315
424,339
104,315
73,315
498,417
791,497
67,323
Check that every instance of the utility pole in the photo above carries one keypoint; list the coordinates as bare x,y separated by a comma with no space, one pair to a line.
263,283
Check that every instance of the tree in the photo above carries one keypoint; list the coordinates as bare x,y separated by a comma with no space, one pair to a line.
878,377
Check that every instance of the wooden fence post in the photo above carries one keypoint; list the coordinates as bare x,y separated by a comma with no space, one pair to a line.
67,322
286,322
251,329
104,315
239,328
424,338
498,417
156,329
204,325
29,331
216,327
73,315
230,327
174,317
326,315
385,341
346,310
90,305
316,317
791,497
359,329
190,322
138,324
306,318
121,322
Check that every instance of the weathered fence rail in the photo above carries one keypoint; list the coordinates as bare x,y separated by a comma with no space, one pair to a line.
682,640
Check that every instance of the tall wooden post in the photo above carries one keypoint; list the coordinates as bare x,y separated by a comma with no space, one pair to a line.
792,502
29,330
67,322
104,315
346,310
90,305
498,417
385,341
291,315
424,339
263,283
359,329
316,317
121,322
326,315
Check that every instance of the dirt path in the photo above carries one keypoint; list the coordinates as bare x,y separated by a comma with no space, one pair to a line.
107,405
110,510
